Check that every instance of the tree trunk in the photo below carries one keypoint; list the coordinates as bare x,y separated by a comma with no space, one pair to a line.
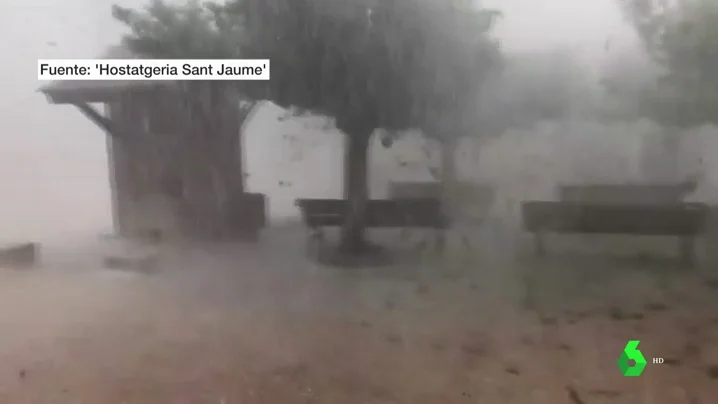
356,191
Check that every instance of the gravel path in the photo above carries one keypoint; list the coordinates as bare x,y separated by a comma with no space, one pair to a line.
239,325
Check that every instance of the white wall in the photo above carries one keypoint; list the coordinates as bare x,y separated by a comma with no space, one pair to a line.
53,189
525,164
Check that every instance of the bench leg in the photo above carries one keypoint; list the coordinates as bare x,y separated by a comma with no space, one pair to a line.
687,250
440,241
539,245
314,239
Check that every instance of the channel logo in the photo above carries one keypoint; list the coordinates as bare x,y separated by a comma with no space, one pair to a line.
632,362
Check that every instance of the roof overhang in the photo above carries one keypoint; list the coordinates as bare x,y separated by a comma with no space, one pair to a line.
75,92
97,91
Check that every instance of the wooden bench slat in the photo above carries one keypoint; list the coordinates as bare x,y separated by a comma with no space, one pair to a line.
683,220
624,193
677,219
471,199
380,212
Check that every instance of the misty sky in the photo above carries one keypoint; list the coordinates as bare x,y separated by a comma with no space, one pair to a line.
45,148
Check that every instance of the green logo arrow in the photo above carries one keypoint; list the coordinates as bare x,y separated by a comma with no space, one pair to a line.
631,352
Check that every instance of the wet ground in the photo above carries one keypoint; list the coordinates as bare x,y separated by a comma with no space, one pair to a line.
241,324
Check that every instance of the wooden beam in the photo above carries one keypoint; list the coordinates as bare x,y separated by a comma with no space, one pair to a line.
104,123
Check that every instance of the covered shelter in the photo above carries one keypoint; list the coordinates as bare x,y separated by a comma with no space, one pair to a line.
150,177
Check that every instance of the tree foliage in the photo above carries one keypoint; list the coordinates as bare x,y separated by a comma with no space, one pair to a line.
396,64
627,82
528,80
458,66
191,30
367,63
681,37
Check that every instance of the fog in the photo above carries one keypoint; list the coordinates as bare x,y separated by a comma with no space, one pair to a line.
54,170
261,323
54,163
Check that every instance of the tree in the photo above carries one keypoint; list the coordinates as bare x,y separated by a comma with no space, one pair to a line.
211,156
530,77
368,64
450,109
513,95
681,38
504,91
626,82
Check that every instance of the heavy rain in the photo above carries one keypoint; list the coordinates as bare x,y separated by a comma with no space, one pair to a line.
429,202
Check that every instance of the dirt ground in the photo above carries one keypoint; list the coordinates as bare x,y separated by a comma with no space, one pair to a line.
240,324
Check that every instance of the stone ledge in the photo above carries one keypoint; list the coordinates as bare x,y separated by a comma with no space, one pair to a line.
21,256
329,254
145,262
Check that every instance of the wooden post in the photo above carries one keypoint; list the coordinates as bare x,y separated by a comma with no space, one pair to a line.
539,245
687,251
119,174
